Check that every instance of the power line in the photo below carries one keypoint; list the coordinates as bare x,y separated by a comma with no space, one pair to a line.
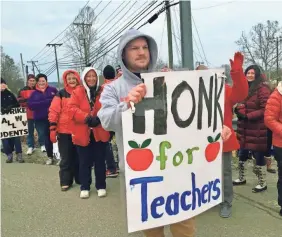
127,27
63,30
217,5
200,40
116,36
112,17
71,54
140,26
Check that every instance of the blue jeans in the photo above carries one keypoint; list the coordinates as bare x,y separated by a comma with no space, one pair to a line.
41,127
12,144
110,161
30,136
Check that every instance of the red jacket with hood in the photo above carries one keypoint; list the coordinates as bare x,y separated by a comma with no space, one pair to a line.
58,111
79,108
23,96
273,115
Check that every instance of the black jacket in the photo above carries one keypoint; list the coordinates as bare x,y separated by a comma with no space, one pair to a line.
8,101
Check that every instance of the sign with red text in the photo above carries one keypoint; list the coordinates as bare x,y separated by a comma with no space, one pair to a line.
173,148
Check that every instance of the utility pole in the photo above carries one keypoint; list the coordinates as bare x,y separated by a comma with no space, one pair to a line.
22,64
55,49
84,39
169,35
277,40
26,71
32,63
186,35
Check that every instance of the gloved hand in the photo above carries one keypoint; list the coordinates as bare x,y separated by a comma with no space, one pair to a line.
53,136
92,121
241,116
237,64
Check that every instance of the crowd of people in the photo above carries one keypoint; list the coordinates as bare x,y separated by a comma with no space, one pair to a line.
85,117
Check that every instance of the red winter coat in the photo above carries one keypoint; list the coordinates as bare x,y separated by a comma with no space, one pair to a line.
252,133
23,96
233,95
58,112
79,108
273,115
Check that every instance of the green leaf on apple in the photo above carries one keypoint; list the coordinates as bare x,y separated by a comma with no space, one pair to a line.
210,139
217,137
133,144
146,143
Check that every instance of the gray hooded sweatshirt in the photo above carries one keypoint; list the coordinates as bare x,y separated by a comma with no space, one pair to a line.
114,93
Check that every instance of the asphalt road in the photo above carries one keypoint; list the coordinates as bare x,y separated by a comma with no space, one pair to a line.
34,206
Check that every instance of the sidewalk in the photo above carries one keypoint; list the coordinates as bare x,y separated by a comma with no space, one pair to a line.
34,206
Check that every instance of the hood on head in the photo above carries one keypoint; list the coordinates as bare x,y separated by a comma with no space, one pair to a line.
124,40
65,77
85,71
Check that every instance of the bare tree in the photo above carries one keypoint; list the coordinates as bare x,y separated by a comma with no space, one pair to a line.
77,35
11,72
258,45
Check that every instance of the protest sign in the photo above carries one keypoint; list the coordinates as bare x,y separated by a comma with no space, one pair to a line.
14,123
173,148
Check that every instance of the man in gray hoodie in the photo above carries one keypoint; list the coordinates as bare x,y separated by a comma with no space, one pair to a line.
137,53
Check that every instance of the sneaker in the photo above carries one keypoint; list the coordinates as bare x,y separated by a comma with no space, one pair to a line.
225,210
102,193
84,194
111,174
30,151
49,161
43,149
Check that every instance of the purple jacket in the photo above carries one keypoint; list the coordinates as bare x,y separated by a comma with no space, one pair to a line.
39,102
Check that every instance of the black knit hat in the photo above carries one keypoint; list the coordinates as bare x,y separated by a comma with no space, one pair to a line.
40,75
3,81
256,69
109,72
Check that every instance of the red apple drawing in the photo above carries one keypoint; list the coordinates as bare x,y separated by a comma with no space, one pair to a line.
213,148
139,158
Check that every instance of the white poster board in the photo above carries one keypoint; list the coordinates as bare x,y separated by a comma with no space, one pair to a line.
173,149
14,123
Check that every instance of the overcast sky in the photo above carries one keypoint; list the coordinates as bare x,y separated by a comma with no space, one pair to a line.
27,26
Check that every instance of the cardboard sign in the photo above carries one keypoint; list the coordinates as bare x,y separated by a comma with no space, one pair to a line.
14,123
173,148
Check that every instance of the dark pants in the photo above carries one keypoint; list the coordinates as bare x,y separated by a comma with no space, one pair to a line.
94,153
42,127
12,144
268,153
110,160
69,167
259,156
278,158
